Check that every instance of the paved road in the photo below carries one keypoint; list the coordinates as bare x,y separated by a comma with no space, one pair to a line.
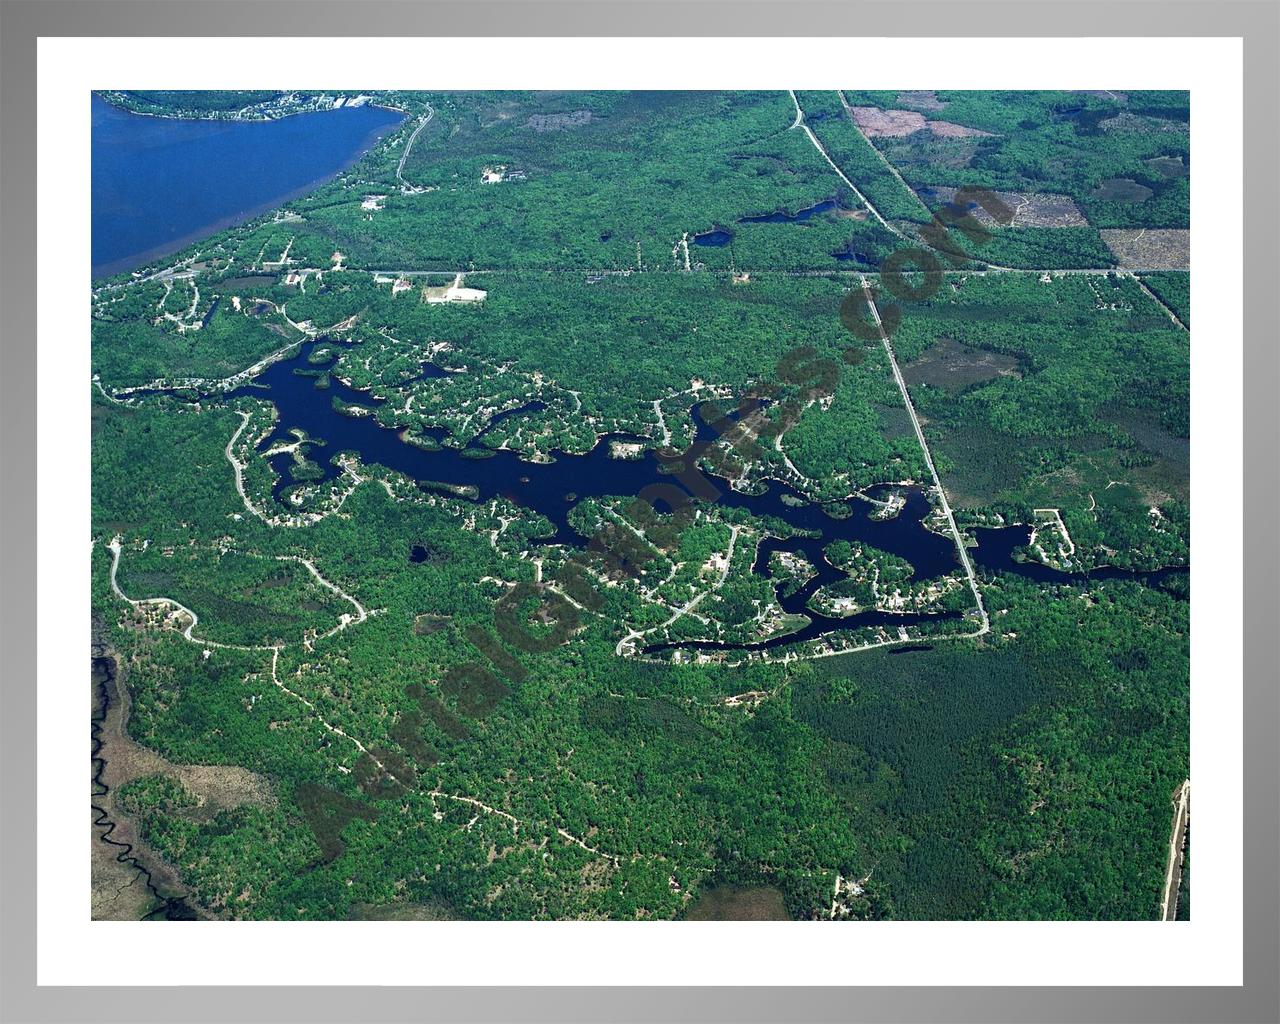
799,123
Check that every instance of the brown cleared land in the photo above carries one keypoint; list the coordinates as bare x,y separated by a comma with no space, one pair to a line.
1030,209
1149,248
877,123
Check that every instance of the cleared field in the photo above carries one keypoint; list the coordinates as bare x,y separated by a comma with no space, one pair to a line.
739,903
1030,209
953,367
1150,248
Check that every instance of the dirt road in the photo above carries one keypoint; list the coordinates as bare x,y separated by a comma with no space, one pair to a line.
961,550
1177,850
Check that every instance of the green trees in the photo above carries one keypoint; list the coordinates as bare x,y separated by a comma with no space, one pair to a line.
1026,774
1093,420
987,774
858,159
1059,143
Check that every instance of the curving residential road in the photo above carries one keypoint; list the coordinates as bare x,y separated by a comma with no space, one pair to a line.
344,620
404,185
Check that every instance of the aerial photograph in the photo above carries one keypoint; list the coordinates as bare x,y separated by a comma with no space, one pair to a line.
672,505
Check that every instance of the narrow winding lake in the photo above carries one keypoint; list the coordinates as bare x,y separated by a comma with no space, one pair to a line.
553,488
161,183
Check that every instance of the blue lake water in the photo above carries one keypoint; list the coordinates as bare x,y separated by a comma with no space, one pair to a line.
161,183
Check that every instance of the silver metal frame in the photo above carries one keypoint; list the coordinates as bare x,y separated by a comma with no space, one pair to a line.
21,23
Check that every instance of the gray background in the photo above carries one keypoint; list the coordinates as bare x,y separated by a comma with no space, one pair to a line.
21,23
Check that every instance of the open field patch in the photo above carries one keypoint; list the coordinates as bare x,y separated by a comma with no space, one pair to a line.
1169,166
877,123
920,99
738,903
1030,209
953,367
1150,248
1123,190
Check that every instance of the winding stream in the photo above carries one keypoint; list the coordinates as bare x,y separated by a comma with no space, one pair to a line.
103,676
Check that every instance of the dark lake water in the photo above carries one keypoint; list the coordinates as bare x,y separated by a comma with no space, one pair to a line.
161,183
782,217
554,488
719,237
